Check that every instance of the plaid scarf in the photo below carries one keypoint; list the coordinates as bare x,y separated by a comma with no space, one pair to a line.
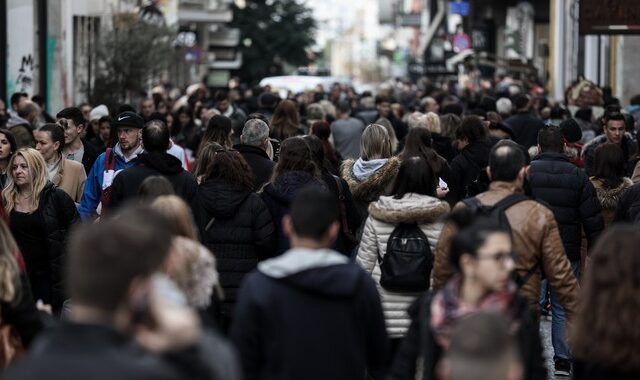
447,308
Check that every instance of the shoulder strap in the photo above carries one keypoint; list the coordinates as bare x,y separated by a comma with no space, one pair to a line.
473,203
343,209
509,201
109,161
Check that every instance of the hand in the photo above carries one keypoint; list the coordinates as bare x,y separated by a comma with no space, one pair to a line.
44,307
176,327
441,193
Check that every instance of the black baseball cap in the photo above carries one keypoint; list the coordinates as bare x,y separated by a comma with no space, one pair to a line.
129,119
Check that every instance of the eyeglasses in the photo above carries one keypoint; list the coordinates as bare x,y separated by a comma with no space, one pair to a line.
499,257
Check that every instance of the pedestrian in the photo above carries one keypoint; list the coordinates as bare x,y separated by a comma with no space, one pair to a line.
154,161
573,135
219,130
93,128
123,155
185,132
530,222
40,217
481,253
128,321
372,174
524,123
322,130
311,297
568,192
346,132
419,144
443,141
7,147
68,175
154,187
613,124
75,147
224,104
17,308
349,217
609,179
605,339
482,348
178,215
233,222
294,171
254,142
468,166
285,122
102,139
412,200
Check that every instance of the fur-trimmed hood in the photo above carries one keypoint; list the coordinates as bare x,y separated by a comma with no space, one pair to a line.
609,197
410,208
371,188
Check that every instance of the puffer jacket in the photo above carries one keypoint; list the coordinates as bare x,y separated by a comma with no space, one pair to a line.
609,197
537,244
571,197
278,195
370,189
466,167
236,226
384,216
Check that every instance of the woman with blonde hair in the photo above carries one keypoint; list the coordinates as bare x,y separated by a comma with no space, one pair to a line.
17,308
179,215
40,216
371,175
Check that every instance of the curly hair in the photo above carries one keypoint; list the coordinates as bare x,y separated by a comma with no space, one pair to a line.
606,328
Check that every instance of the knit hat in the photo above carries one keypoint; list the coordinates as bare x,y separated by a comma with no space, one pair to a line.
98,112
571,130
129,119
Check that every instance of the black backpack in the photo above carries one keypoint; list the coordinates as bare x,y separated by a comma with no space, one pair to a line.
480,182
406,266
496,214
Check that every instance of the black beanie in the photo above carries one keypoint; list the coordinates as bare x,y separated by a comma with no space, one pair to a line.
571,130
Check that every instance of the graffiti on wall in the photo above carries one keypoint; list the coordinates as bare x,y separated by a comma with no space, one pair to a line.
24,80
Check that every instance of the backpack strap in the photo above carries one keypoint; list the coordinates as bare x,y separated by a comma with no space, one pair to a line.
109,162
509,201
473,203
343,209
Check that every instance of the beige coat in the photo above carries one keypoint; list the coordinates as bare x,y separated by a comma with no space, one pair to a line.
70,178
384,215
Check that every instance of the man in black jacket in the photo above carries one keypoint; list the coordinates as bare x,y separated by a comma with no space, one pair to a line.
524,124
310,313
572,198
155,161
253,144
126,321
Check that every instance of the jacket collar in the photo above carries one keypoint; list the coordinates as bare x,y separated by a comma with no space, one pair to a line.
243,148
551,156
360,189
410,208
297,260
58,177
507,187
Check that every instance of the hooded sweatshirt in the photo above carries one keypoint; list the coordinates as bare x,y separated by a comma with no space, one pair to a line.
309,314
236,226
127,183
278,196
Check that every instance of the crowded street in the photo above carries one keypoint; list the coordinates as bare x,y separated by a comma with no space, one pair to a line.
319,189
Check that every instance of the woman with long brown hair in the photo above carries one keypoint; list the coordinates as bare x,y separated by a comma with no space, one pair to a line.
606,335
40,217
286,121
233,221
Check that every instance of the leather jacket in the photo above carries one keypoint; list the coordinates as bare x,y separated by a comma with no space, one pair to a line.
537,244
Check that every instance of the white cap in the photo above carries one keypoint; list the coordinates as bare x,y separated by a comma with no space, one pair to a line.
98,112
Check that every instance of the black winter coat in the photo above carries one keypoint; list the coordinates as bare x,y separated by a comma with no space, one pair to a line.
628,209
525,128
236,226
420,343
22,314
278,195
466,167
59,213
126,183
443,146
592,371
89,157
261,164
319,323
566,189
